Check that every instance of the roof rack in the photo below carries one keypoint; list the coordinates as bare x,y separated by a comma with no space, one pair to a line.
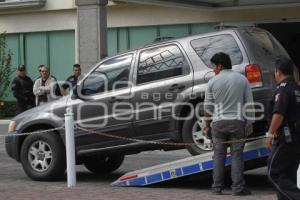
228,26
161,39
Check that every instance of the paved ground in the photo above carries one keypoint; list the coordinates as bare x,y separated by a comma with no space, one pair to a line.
15,185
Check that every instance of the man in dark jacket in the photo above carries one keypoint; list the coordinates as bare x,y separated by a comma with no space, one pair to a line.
21,88
71,81
284,132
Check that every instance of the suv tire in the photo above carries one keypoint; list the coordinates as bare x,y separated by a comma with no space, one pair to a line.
43,157
193,135
99,164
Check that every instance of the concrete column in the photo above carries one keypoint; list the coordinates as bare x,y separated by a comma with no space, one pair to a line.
91,32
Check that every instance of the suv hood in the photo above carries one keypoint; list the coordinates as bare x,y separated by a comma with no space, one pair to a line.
45,108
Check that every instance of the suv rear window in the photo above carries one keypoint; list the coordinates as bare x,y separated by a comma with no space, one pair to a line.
209,46
263,45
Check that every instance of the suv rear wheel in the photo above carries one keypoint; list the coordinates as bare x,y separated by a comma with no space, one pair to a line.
192,133
100,164
43,157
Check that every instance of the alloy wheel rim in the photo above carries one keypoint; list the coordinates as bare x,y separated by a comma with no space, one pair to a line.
198,136
40,156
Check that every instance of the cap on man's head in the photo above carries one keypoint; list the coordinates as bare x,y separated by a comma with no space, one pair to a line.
21,67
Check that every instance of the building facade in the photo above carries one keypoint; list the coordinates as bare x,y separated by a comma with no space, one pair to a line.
45,31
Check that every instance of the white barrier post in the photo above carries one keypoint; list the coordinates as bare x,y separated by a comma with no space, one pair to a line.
70,147
298,177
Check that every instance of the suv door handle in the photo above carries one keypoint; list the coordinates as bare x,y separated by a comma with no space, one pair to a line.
115,99
176,87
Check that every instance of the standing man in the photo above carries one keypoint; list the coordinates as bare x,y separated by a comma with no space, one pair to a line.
57,90
225,97
21,88
284,133
71,82
44,87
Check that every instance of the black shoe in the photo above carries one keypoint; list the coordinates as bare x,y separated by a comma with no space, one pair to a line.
216,192
244,192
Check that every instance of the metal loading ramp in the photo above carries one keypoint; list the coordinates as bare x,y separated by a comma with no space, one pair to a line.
188,166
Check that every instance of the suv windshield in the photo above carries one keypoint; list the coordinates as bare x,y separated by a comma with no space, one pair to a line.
110,75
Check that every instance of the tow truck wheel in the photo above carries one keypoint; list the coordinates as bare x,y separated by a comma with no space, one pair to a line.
192,133
99,164
43,157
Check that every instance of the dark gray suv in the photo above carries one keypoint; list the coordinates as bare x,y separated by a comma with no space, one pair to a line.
154,94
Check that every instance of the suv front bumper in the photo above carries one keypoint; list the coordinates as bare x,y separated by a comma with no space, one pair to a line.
11,145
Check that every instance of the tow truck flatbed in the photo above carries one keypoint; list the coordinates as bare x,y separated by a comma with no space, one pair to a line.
188,166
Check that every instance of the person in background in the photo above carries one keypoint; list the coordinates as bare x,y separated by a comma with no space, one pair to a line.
57,90
21,88
44,87
40,74
72,80
39,69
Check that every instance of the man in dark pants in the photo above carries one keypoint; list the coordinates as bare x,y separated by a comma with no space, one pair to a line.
284,134
226,95
21,87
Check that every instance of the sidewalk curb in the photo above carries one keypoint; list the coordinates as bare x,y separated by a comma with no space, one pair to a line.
4,122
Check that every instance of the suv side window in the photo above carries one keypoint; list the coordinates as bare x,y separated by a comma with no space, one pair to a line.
208,46
161,63
112,74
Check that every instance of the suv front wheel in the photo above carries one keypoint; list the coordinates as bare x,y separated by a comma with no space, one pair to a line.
192,133
43,157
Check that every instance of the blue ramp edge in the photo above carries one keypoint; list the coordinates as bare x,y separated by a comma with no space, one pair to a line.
173,173
137,181
155,178
264,152
191,169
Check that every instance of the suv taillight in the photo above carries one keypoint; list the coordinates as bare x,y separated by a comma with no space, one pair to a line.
254,76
